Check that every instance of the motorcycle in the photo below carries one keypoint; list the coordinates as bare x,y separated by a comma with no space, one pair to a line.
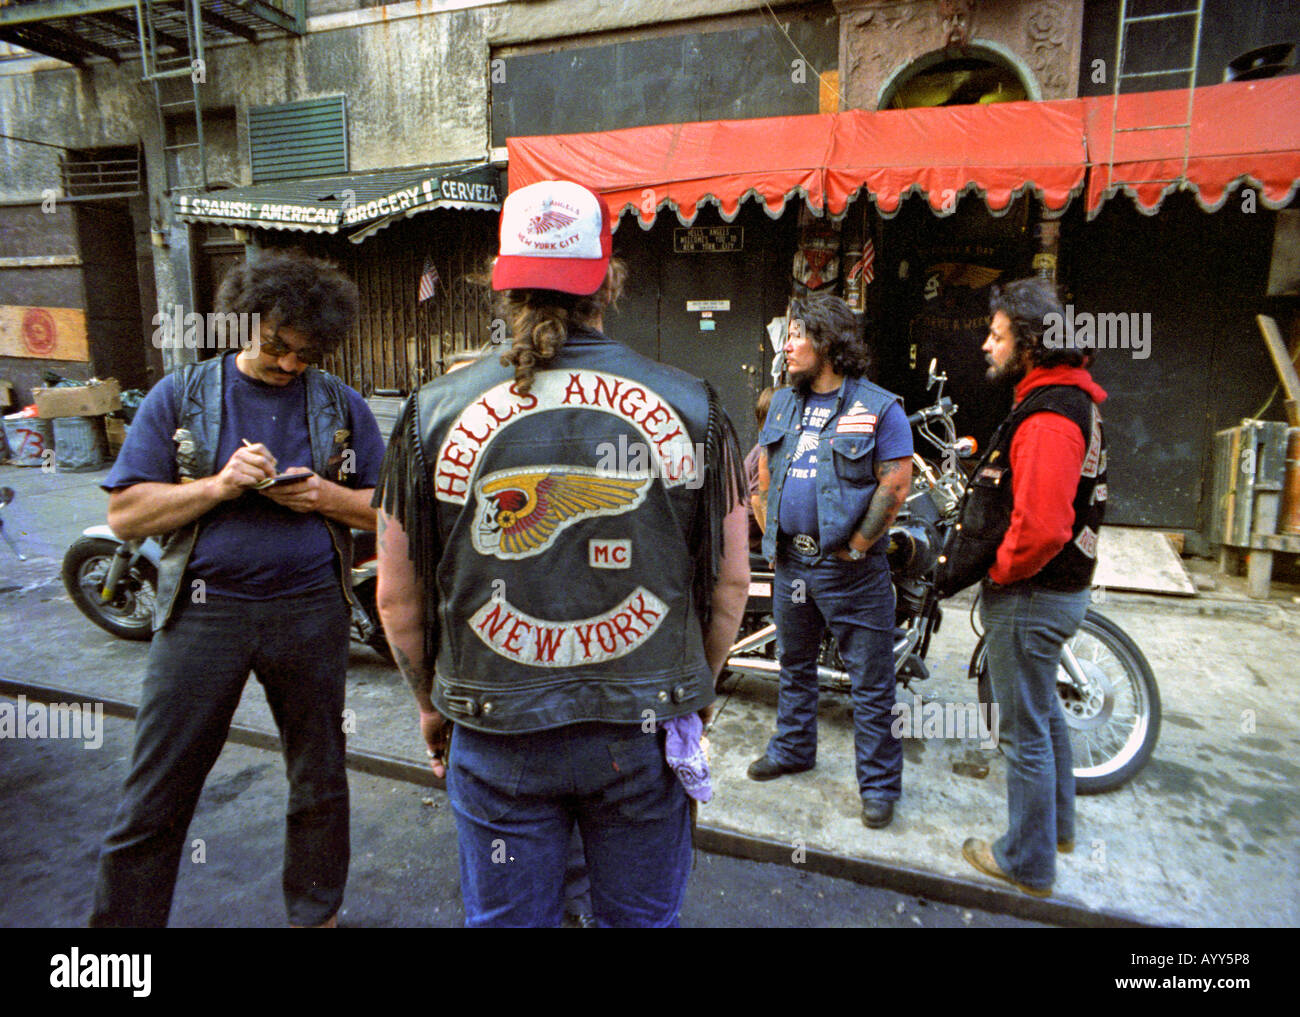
1105,684
114,583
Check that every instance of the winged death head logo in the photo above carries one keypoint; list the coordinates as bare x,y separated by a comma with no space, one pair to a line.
549,220
520,511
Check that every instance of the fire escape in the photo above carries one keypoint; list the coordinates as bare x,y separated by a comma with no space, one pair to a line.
1153,25
169,38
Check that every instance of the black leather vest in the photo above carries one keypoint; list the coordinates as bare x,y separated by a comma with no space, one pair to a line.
985,514
198,399
558,534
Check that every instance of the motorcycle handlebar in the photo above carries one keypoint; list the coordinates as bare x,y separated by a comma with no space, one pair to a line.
940,409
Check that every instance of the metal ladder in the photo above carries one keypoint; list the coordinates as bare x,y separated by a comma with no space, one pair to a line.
161,73
1121,41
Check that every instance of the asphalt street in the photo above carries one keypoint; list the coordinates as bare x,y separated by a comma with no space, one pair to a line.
1205,836
59,796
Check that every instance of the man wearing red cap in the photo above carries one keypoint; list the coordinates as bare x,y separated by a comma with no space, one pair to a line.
563,567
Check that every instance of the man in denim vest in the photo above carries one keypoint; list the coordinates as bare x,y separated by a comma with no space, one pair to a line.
251,579
838,463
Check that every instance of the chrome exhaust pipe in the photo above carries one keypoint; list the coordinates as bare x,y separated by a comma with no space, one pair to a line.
759,667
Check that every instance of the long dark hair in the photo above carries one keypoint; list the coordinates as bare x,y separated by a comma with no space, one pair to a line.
540,321
288,287
834,332
1028,303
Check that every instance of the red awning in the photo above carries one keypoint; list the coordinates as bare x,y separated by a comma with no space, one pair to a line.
682,166
996,151
1241,132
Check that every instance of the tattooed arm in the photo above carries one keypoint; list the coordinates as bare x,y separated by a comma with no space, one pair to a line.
401,609
759,500
894,477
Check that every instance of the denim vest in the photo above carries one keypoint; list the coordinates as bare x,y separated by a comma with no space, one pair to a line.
198,399
556,534
847,443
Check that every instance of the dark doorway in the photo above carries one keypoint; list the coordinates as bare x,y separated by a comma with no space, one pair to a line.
679,284
106,238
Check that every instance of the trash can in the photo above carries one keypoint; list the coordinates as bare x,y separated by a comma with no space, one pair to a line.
79,443
29,438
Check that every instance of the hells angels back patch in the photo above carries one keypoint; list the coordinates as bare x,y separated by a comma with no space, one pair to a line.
520,511
484,420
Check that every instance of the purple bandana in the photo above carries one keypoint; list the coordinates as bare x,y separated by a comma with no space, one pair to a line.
686,756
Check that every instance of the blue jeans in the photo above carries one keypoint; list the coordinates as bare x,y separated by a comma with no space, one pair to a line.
516,799
856,600
198,666
1025,628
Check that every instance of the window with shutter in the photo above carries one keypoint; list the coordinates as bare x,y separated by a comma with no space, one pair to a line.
298,139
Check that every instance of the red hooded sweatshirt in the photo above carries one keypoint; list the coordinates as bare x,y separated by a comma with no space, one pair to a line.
1046,459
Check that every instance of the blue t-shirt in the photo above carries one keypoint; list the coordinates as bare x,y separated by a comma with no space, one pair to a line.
799,492
250,547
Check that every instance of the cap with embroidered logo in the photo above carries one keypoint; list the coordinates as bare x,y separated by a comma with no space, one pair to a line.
555,235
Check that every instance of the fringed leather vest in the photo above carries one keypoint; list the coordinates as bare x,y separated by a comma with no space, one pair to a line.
568,539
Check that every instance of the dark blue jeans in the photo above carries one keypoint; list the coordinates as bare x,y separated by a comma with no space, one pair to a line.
516,799
197,670
1025,628
856,600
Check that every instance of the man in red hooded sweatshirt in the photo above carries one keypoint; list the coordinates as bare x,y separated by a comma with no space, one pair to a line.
1046,466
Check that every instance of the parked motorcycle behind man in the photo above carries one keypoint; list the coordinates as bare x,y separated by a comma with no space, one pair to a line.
1107,689
113,582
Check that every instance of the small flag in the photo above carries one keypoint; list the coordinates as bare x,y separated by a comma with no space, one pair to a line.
428,280
866,264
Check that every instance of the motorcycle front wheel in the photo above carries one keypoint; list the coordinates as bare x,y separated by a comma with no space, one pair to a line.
128,614
1112,709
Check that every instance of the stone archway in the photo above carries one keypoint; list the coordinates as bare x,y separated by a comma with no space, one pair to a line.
982,72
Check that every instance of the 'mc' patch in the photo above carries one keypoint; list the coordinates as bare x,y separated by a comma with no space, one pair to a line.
609,554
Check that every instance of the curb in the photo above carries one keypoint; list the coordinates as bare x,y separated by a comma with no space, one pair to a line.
710,839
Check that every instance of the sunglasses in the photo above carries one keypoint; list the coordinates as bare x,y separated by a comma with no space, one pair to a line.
277,347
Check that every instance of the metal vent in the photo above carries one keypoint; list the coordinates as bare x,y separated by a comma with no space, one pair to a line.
102,173
299,139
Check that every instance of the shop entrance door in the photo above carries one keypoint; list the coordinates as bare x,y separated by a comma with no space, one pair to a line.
712,319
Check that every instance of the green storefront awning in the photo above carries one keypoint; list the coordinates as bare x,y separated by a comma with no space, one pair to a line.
360,202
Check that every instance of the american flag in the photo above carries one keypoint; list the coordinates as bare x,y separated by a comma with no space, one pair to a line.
866,264
428,280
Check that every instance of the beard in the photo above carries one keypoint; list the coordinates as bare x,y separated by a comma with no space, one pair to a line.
801,381
1009,373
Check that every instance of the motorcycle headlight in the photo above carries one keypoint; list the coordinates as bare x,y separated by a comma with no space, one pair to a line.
913,548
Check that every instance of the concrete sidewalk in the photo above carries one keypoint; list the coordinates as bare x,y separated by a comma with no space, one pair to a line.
1207,835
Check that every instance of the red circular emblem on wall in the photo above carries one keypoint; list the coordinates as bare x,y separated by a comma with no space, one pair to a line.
38,331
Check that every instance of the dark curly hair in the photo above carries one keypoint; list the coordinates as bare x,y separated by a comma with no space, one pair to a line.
292,288
834,333
1027,303
540,320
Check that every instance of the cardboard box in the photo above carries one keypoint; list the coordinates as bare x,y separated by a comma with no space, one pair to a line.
116,430
93,400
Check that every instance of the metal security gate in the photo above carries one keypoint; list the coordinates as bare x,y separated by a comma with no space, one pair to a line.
402,342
